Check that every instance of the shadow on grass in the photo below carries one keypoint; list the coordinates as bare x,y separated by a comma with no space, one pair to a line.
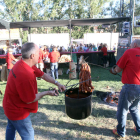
52,107
96,112
66,130
66,126
63,129
103,113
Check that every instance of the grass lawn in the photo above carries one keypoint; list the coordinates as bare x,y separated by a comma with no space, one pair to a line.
51,122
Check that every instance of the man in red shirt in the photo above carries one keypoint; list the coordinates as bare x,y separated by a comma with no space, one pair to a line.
9,60
54,56
21,94
46,53
40,64
104,50
129,97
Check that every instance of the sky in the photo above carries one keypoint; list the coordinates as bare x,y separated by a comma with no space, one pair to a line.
1,7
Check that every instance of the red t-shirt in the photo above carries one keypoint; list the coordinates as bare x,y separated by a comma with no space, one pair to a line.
21,89
130,63
41,56
54,56
9,59
104,50
46,54
80,50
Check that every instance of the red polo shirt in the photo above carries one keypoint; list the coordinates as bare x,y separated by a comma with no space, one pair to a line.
130,63
104,50
9,59
21,89
41,56
54,56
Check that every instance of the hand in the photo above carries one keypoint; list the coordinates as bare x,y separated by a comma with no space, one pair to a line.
112,70
13,62
53,92
61,87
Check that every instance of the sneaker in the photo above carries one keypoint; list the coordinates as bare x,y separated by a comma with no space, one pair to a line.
115,132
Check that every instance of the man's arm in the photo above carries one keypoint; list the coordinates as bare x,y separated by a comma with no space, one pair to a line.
13,59
40,95
115,69
49,79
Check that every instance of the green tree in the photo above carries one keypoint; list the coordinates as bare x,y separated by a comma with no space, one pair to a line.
137,13
94,7
137,8
31,10
20,10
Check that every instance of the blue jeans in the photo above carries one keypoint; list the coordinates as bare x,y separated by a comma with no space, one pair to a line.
54,70
128,100
23,127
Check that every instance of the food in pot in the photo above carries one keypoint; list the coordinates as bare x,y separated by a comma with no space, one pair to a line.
85,74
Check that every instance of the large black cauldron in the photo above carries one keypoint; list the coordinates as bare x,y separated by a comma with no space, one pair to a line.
78,106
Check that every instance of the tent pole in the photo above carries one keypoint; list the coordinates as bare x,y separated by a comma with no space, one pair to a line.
133,10
30,33
9,40
70,38
111,36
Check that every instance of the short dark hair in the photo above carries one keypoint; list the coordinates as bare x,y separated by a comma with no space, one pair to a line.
28,49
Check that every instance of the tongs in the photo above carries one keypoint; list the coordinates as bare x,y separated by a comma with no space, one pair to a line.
80,82
74,84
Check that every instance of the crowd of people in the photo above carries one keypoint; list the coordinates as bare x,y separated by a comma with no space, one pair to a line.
44,55
80,48
46,52
74,48
16,49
